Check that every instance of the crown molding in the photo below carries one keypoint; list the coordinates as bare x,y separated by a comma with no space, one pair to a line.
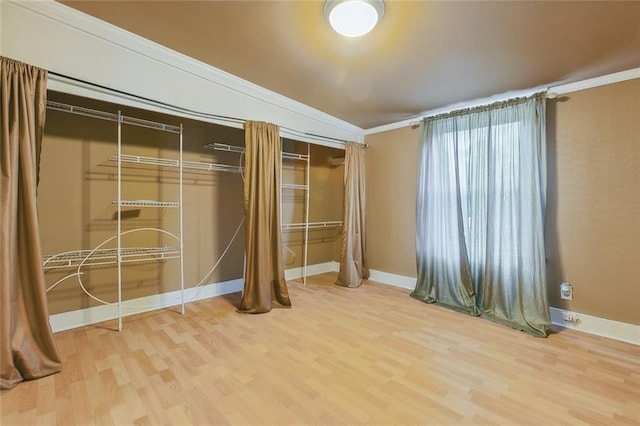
156,52
454,107
392,126
596,81
558,90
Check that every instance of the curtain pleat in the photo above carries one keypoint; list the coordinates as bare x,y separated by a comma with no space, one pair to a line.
353,259
443,273
480,214
264,287
27,347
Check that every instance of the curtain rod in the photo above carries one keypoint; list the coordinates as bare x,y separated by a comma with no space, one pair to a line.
454,111
187,110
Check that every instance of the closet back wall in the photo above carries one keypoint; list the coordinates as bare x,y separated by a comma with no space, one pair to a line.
326,199
326,203
78,185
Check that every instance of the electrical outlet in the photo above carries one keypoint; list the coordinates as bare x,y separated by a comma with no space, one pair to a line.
570,317
566,291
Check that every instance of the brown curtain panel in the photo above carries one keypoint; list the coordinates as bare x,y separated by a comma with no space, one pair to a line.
28,350
353,259
264,285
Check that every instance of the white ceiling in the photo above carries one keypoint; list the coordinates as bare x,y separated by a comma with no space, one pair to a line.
424,55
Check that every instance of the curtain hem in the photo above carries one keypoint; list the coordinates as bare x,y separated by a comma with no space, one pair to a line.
470,312
541,332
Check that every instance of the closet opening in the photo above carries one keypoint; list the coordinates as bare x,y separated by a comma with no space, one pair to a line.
78,206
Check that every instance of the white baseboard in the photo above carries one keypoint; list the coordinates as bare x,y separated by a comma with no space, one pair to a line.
392,279
96,314
617,330
318,268
624,332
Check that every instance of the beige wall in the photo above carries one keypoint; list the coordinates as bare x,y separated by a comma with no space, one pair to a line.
391,163
593,211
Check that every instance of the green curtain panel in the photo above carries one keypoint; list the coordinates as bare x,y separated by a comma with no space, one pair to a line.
27,348
480,210
353,258
264,286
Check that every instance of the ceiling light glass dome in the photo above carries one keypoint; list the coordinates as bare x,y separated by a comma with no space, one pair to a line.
353,18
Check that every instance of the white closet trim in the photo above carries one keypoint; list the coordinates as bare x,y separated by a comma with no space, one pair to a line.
61,84
90,49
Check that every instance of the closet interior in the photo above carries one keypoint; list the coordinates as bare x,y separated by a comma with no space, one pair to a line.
312,205
168,191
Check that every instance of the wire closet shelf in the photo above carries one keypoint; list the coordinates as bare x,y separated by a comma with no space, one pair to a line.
304,226
122,254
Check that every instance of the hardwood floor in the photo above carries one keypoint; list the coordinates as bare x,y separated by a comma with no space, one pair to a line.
371,355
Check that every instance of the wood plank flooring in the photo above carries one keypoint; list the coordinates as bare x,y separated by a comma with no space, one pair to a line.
371,355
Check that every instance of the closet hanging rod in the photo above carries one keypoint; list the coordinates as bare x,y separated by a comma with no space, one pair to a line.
294,156
240,150
147,204
192,112
103,115
170,165
225,147
151,124
294,186
312,225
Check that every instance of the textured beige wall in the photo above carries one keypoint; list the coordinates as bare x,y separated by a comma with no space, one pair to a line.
76,192
391,164
593,211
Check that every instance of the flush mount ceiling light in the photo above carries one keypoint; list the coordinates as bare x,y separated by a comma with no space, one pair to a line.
353,18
